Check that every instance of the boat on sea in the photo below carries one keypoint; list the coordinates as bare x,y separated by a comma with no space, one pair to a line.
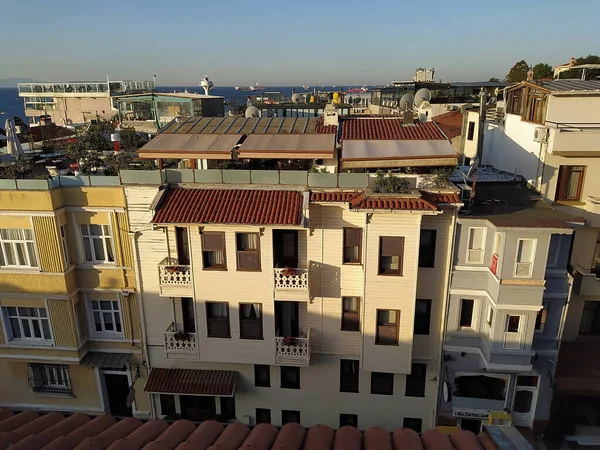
256,87
361,90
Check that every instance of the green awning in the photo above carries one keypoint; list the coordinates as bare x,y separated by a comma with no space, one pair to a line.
105,360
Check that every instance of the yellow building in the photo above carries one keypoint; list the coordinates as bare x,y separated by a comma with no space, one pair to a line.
70,335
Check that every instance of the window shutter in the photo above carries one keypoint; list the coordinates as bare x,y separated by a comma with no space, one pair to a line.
351,321
213,242
352,236
392,246
248,260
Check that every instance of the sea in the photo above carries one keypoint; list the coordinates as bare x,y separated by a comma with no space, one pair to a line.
12,106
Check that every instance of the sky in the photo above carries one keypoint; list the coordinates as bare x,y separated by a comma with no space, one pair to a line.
280,42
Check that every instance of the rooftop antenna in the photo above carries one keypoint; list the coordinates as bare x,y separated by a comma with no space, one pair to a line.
407,101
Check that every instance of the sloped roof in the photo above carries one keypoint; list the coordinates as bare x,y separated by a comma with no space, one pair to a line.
191,381
388,129
450,123
359,200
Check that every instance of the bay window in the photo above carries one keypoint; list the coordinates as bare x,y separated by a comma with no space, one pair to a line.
97,243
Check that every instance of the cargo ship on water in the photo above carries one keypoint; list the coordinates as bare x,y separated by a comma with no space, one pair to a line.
254,88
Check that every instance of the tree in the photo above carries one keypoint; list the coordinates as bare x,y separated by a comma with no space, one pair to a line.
542,70
590,74
494,80
518,72
131,139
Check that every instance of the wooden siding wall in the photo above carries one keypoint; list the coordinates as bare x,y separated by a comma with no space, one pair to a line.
49,244
63,323
131,318
121,226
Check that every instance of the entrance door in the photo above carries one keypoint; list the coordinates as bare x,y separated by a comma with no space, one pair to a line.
183,245
117,390
197,408
187,311
285,248
286,319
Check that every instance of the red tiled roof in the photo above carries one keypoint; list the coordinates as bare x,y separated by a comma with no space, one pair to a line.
334,197
388,129
450,123
239,206
322,129
441,198
392,203
191,381
132,434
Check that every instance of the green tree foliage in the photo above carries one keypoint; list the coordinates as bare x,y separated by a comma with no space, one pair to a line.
518,72
390,184
590,74
494,79
542,70
131,140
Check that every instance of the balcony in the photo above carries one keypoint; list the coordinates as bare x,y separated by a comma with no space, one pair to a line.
291,284
512,341
293,351
586,282
174,279
179,344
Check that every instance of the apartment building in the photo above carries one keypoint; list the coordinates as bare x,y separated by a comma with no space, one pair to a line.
70,334
551,136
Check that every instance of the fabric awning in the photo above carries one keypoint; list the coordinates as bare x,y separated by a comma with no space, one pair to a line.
367,150
105,360
203,146
292,146
192,382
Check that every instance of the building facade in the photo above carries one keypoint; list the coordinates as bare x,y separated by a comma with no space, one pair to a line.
70,334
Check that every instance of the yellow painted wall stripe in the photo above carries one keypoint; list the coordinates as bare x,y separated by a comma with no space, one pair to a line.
48,243
63,323
123,227
126,313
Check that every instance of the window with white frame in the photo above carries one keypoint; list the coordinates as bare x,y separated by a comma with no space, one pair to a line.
513,324
27,323
553,250
476,246
525,255
63,241
97,243
50,378
106,315
17,248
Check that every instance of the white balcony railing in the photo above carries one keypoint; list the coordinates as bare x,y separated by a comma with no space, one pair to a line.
512,340
180,341
170,273
291,278
293,350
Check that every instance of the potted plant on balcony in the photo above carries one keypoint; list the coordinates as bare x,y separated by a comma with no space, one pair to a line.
290,341
172,269
288,271
182,336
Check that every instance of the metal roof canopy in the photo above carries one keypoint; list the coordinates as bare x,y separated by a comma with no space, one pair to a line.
206,146
105,360
295,146
364,150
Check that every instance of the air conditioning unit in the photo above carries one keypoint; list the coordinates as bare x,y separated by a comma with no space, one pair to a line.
540,134
523,269
475,256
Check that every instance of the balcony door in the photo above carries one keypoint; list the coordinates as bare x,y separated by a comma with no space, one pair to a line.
286,319
183,245
187,312
285,248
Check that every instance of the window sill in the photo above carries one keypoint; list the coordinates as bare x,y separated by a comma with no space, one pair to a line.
390,274
358,263
107,337
252,338
218,337
52,395
290,387
248,270
30,343
216,269
24,270
350,331
108,265
426,267
388,344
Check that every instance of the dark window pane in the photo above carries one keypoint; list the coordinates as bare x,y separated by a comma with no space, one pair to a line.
167,405
413,423
382,383
349,375
415,382
466,313
262,375
288,416
523,401
427,248
263,415
227,408
422,316
290,377
349,420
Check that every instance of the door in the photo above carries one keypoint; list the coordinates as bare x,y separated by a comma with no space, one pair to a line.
524,401
183,246
285,248
187,311
117,390
286,319
197,408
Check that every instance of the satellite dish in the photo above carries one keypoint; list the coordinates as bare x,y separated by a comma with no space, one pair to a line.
252,111
407,101
295,98
422,95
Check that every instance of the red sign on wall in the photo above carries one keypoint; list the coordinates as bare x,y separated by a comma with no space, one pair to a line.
494,265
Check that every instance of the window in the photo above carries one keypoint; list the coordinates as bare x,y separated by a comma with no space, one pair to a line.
427,248
227,408
490,315
217,319
388,321
248,251
512,324
498,244
382,383
213,251
466,313
107,316
97,243
17,248
525,255
263,415
570,183
352,245
471,131
348,375
51,379
262,375
350,420
514,101
590,319
288,416
63,241
540,318
290,377
350,314
251,324
534,105
553,250
422,316
391,252
415,382
476,247
28,323
167,405
413,423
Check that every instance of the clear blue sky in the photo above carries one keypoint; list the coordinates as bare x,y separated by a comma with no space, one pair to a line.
284,42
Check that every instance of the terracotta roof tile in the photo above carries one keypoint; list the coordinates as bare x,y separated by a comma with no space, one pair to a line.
322,129
121,429
290,437
450,123
333,197
232,437
441,198
261,437
388,129
392,203
319,437
34,427
172,436
407,438
347,438
191,381
17,421
376,438
239,206
92,428
61,428
140,437
204,436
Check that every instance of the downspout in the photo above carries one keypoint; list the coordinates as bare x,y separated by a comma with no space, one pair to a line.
138,280
364,297
321,277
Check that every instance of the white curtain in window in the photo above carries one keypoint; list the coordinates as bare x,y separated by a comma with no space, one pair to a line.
250,311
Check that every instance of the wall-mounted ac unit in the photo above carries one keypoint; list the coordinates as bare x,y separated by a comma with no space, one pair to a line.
475,256
523,269
540,134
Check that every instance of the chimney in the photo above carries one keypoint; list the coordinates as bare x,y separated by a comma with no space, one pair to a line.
407,118
530,75
572,61
330,115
